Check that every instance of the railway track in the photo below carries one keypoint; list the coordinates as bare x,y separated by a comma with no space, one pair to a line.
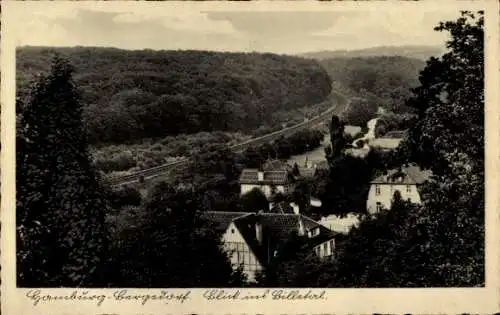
161,169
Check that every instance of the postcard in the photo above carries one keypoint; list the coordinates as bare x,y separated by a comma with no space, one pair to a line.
268,157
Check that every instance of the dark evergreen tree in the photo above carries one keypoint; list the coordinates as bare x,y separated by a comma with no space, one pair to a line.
61,209
336,137
254,201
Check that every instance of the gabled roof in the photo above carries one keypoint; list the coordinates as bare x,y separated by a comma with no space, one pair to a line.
276,230
310,224
410,175
220,220
250,176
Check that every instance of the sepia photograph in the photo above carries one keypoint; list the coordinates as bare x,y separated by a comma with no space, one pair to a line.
198,147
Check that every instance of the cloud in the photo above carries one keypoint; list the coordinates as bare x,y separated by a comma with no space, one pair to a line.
283,23
397,29
196,22
139,26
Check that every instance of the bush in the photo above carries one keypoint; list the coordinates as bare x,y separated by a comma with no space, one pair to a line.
126,196
117,162
391,121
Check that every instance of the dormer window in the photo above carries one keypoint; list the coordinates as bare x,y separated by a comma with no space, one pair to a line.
313,232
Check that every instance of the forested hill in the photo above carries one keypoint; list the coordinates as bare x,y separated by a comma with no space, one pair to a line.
417,52
385,79
130,95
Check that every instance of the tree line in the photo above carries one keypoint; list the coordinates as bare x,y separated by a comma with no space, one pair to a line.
131,95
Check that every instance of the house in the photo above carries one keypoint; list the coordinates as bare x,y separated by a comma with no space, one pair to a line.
385,144
406,180
252,240
269,182
341,224
389,141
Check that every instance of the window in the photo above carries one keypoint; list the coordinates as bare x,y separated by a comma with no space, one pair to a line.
232,231
408,188
332,246
379,206
377,190
313,232
325,249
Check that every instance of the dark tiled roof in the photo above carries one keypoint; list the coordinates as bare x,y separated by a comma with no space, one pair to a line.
250,176
282,207
276,165
276,229
411,175
280,225
220,220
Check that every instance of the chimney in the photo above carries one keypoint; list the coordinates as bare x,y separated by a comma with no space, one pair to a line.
301,228
258,231
260,175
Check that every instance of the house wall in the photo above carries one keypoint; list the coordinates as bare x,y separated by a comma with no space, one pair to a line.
239,252
325,249
386,194
266,189
341,225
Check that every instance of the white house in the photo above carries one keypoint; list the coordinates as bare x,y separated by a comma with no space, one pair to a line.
269,182
326,249
253,239
341,224
405,180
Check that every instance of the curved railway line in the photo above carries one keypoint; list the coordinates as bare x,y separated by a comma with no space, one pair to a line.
164,168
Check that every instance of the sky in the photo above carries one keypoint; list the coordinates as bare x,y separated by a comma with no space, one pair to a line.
208,27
